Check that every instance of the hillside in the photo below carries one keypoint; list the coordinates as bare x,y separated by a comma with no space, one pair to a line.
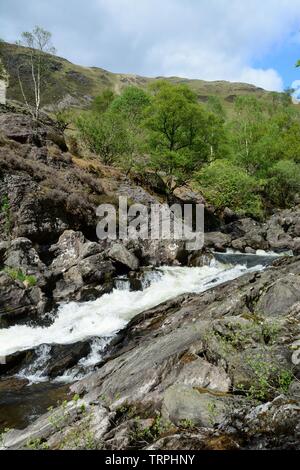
77,85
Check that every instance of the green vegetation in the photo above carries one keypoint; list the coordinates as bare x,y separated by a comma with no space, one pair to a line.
141,435
246,160
269,379
19,275
237,144
226,184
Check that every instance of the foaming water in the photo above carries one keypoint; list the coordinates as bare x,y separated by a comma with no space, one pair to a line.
104,317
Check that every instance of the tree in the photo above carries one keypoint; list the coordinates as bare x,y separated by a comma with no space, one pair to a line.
215,106
102,102
183,135
36,64
131,104
106,135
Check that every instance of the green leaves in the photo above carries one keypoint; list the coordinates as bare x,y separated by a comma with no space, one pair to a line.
104,135
224,184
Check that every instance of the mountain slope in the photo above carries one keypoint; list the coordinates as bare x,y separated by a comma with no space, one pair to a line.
76,85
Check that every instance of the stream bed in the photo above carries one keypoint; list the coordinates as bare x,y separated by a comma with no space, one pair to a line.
98,322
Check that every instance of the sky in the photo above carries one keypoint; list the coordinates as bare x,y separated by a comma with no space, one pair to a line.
254,41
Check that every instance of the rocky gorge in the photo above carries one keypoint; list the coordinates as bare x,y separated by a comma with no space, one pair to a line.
160,348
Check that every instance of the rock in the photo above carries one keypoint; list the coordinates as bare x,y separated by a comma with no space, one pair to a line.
21,255
279,296
66,251
229,216
247,233
274,417
44,427
80,268
217,240
188,196
121,255
182,403
21,128
200,258
200,374
200,439
19,302
63,357
87,280
3,247
162,252
12,384
13,362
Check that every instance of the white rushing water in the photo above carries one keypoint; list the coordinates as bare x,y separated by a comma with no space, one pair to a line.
104,317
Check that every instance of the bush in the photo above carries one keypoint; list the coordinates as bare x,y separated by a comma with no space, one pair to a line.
283,183
227,185
104,135
131,103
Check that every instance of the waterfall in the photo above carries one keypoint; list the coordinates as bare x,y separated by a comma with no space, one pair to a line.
104,317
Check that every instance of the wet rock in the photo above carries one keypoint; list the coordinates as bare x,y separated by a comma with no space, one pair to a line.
200,258
217,240
63,357
13,362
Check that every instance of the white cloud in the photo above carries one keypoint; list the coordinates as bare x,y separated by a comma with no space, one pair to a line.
268,79
208,39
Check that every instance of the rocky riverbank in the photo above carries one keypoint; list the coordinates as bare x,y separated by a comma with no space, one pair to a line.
217,370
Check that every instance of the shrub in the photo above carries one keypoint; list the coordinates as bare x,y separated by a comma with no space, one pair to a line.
104,135
283,183
227,185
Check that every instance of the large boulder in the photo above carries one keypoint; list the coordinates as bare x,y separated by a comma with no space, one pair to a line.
187,404
247,233
121,255
217,240
279,296
19,301
80,268
21,255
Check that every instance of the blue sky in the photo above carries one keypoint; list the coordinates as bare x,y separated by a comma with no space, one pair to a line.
254,41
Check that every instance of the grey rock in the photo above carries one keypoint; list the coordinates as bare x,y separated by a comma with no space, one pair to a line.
121,255
182,403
